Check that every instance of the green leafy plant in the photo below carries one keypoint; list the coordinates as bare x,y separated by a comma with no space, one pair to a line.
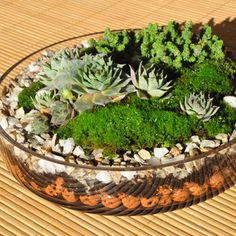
26,95
199,106
112,41
178,47
149,82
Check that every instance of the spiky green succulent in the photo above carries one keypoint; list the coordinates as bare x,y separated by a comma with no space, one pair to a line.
60,112
39,124
149,82
99,81
199,106
43,99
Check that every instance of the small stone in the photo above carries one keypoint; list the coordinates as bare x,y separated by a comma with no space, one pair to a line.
190,147
174,151
85,44
222,137
127,156
194,152
129,174
195,139
20,138
137,158
68,146
160,152
46,136
144,154
20,113
78,151
105,162
123,163
56,148
179,146
160,173
97,153
233,135
217,143
33,68
39,139
189,166
154,161
104,176
4,122
205,149
173,159
50,166
207,144
230,100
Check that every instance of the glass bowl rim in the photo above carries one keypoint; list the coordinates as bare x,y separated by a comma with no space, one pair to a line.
6,136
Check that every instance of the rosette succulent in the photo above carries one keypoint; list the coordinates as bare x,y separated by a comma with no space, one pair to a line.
60,112
198,105
149,82
99,81
58,74
44,99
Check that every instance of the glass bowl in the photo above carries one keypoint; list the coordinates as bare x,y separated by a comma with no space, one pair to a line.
126,191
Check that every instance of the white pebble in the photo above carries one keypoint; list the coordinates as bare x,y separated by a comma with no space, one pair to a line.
97,153
33,68
160,152
4,122
144,154
233,135
230,100
104,176
20,113
50,166
190,147
128,174
222,137
68,146
195,139
78,151
207,144
173,159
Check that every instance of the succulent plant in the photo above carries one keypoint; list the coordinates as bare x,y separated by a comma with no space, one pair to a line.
99,81
39,124
198,105
44,99
60,111
149,82
58,73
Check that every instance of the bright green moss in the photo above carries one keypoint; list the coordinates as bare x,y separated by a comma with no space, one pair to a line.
222,123
207,77
128,126
26,95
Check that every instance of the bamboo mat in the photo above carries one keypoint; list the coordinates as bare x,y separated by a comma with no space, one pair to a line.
26,25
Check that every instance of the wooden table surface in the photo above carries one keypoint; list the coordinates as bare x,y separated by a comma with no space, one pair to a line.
27,25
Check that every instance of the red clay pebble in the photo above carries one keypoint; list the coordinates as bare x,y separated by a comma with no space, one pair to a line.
90,200
149,202
180,195
130,201
216,180
110,201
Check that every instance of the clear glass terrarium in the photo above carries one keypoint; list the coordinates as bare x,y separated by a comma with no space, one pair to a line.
127,191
